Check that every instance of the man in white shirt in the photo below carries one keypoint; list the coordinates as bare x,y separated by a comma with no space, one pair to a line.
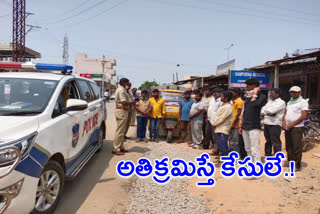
211,115
196,117
273,113
297,112
208,101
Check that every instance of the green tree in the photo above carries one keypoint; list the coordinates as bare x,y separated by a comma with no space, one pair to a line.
147,85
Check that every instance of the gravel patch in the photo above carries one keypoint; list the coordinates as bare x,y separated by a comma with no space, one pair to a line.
146,196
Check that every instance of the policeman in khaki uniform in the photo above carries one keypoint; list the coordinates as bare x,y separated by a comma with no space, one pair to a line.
123,105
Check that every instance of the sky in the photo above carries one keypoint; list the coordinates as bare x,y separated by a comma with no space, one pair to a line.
148,38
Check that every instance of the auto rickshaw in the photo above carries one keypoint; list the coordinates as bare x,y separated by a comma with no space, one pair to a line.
171,128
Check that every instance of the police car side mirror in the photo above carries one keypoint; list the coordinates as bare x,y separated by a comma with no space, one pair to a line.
76,105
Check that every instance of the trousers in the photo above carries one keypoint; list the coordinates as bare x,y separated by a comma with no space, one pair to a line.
223,144
196,132
128,121
154,127
121,119
294,145
272,134
142,122
234,140
252,143
210,136
185,130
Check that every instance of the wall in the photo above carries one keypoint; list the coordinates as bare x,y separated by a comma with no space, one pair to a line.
85,65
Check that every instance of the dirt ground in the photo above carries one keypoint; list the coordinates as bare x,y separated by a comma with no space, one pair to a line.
98,188
266,195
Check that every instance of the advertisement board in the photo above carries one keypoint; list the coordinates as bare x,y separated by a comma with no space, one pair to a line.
224,68
238,78
86,75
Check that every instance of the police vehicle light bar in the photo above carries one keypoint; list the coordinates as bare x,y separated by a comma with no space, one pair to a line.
37,66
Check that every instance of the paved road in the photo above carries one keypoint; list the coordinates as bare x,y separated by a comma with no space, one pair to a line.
97,188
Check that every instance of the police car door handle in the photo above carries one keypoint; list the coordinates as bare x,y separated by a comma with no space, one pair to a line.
93,109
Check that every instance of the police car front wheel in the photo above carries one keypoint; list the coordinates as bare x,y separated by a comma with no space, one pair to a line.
49,189
101,137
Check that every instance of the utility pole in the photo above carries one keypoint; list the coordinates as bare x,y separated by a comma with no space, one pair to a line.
65,50
18,30
103,63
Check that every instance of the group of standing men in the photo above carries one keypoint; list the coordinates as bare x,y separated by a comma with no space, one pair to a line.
231,123
129,107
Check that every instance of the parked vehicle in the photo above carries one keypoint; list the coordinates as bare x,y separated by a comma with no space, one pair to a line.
50,126
312,130
171,128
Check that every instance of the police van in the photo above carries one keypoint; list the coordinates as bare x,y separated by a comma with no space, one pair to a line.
51,124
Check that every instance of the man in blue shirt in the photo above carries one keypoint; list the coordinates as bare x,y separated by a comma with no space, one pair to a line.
185,122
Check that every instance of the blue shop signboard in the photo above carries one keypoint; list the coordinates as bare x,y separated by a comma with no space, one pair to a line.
238,78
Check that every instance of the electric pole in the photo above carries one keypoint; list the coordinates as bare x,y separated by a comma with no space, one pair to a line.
103,63
65,50
18,30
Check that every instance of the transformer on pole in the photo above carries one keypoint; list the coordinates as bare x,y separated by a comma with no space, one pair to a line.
19,30
65,50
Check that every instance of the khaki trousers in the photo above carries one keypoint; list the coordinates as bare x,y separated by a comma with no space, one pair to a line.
128,122
122,120
133,118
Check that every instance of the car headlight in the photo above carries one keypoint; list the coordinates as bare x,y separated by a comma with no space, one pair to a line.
10,155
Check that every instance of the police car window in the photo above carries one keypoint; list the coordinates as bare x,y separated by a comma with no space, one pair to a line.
95,89
24,96
85,91
69,91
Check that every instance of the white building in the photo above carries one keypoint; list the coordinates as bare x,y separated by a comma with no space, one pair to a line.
98,69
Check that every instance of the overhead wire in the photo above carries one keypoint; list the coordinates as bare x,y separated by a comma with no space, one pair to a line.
98,14
281,8
81,4
230,12
254,10
79,13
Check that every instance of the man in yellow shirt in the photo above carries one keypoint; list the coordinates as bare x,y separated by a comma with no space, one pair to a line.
237,104
157,115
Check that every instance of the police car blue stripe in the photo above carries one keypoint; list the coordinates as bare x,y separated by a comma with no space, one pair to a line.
29,167
94,138
39,156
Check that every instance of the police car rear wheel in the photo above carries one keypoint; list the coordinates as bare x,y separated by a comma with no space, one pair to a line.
49,189
101,138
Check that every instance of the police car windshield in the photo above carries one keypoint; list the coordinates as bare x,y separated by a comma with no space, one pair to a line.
24,96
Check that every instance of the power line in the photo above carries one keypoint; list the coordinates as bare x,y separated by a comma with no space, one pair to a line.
79,13
254,10
282,8
98,14
81,4
230,12
72,46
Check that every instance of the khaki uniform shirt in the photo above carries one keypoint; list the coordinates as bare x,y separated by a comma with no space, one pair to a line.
143,106
122,95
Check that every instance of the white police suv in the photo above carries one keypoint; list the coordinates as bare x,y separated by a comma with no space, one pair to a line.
50,126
